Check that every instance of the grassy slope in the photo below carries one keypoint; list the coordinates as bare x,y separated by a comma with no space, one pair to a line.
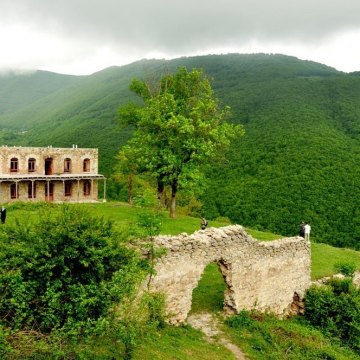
270,339
181,343
323,256
19,91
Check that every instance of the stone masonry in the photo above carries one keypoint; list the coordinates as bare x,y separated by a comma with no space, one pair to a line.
261,275
49,174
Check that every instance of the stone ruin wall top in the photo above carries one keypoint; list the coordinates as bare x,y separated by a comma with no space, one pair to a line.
264,275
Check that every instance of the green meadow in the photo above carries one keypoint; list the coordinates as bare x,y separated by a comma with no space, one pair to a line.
323,256
266,337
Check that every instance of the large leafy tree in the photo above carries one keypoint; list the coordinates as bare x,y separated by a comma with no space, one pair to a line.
179,127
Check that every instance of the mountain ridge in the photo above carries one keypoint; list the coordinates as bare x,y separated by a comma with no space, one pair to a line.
298,158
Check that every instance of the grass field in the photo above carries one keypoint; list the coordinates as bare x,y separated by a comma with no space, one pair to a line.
323,257
268,338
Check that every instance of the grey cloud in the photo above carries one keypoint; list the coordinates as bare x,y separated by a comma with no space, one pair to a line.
183,26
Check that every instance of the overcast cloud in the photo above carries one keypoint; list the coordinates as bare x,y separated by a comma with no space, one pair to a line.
84,36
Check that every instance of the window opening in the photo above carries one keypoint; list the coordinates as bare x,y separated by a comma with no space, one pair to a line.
67,165
86,165
14,163
31,165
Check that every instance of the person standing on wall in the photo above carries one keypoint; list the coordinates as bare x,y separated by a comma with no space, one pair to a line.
204,223
302,229
3,214
307,229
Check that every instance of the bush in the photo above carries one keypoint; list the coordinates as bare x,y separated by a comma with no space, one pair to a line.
65,271
241,320
345,268
335,309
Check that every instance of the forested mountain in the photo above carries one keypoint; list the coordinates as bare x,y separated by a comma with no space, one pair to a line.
297,161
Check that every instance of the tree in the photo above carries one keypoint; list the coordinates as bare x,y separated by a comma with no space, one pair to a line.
179,128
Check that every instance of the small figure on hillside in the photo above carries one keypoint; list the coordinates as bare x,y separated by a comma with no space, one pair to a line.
307,229
204,223
302,229
3,214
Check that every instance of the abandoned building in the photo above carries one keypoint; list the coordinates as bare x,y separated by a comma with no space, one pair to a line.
49,174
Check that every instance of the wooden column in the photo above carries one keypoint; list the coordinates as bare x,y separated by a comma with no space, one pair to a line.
104,199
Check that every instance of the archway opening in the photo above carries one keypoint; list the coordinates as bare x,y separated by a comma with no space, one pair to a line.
48,166
208,296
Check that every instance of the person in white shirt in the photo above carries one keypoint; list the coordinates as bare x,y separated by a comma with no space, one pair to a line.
307,229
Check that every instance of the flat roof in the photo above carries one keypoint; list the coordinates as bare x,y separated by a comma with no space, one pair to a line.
19,177
50,147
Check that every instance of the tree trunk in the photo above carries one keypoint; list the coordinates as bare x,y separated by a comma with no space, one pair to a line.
160,193
130,189
174,187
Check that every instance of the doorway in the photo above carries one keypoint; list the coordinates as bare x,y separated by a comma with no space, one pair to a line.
48,166
208,296
49,191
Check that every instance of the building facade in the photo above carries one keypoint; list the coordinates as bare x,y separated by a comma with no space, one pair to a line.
49,174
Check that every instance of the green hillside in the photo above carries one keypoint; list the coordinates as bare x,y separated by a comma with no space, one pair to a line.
259,336
18,91
297,161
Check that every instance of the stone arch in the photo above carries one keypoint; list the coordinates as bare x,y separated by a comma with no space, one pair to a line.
224,273
258,274
225,269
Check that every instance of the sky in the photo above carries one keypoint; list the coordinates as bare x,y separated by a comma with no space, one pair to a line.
81,37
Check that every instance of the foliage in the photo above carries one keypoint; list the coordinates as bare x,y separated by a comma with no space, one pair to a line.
335,309
267,337
64,271
346,268
325,257
273,179
179,128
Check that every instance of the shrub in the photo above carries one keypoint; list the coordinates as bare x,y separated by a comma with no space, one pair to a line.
241,320
345,268
64,271
335,309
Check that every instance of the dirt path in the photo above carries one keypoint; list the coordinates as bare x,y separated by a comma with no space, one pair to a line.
209,325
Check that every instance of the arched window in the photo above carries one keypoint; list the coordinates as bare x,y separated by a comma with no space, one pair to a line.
67,165
31,165
14,165
86,165
87,187
14,191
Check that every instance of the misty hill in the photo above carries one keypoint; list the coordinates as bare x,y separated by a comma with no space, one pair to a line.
297,161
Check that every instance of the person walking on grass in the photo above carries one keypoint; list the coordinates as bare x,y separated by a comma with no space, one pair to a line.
3,214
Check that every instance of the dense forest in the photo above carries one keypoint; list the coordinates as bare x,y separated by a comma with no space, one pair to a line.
298,160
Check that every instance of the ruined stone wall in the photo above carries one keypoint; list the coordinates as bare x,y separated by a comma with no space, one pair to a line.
259,275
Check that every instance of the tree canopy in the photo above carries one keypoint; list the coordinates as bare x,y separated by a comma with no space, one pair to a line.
179,127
